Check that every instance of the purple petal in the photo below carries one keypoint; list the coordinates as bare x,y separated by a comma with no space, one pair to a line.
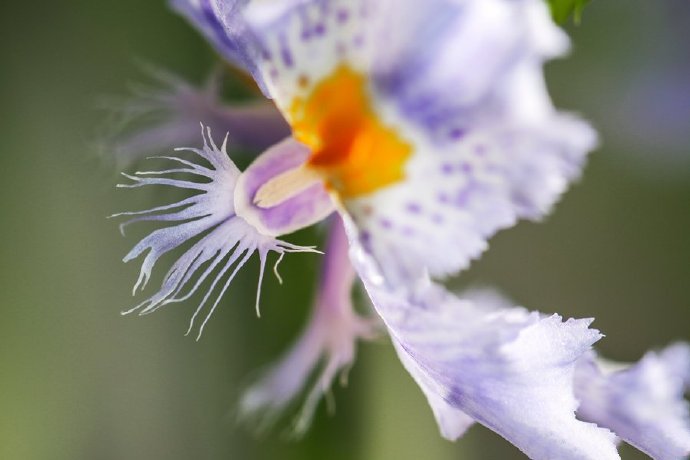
160,118
508,369
308,206
223,24
642,403
446,57
329,339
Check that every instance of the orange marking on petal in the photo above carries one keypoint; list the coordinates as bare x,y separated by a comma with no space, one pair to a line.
355,152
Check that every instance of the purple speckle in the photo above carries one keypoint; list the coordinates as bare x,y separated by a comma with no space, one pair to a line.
286,55
447,168
480,150
437,218
386,223
358,41
414,208
443,198
319,29
464,195
457,133
466,167
342,15
325,8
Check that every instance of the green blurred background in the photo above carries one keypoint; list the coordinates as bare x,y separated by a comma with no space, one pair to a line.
78,381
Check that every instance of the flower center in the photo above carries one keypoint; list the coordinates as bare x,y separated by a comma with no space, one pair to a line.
352,149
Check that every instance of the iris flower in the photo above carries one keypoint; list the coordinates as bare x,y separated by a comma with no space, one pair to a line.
421,128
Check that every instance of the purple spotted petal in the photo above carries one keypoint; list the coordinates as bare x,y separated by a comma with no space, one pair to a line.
223,242
285,44
642,403
454,199
478,165
327,343
462,83
508,369
305,208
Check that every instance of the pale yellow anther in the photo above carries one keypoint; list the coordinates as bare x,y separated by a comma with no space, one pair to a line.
285,186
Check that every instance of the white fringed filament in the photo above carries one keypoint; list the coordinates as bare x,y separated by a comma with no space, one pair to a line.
226,242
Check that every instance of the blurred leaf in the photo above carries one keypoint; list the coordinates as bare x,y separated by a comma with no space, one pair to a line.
563,9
